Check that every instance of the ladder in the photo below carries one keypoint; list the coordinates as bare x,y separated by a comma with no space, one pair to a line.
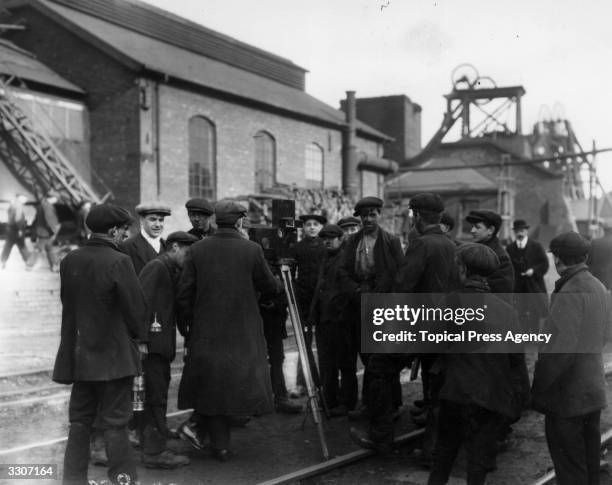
33,158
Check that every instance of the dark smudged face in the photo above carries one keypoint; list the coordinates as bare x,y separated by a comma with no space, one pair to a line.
199,220
369,219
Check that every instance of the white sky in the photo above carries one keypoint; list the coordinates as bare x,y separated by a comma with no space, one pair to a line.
559,50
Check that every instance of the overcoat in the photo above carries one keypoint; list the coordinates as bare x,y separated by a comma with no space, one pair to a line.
531,256
569,374
226,372
103,315
600,260
159,278
140,251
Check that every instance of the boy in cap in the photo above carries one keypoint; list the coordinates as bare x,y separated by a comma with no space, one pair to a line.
148,243
103,318
200,212
477,393
159,279
350,225
308,254
337,356
568,382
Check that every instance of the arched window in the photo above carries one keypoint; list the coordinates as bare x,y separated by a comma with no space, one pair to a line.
202,158
265,161
314,166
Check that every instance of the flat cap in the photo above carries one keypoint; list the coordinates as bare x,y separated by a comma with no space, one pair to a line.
427,202
227,212
105,216
447,220
181,237
490,218
145,208
315,217
569,244
331,231
200,205
349,221
367,203
519,224
478,258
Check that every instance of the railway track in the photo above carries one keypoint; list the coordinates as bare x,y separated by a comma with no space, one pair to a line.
7,399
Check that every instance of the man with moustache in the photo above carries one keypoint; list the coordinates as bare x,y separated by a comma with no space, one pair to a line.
371,259
148,243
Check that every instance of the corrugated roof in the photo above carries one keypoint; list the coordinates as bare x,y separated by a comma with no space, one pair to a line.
172,29
456,180
158,56
15,61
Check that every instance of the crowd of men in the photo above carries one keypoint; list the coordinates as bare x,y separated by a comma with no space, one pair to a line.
123,299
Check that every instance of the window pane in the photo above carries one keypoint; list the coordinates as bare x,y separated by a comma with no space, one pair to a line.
202,162
314,166
265,161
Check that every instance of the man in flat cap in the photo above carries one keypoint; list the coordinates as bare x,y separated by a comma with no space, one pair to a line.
227,371
427,267
371,259
335,349
308,254
485,226
200,212
600,258
103,320
350,225
530,264
159,280
569,384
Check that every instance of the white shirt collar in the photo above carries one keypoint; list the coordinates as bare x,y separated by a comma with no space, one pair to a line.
155,242
523,243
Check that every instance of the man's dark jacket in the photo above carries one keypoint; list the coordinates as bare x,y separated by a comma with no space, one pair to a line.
159,279
532,256
226,372
308,253
502,279
388,256
569,374
140,251
429,264
103,315
330,297
600,260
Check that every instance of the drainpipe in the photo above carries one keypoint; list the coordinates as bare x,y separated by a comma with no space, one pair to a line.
350,183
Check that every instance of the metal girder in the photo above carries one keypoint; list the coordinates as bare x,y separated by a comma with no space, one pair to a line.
33,158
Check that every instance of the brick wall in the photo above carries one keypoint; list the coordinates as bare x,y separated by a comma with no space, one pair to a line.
112,99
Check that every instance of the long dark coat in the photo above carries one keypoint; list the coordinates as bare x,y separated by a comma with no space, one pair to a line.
159,278
429,264
226,372
569,374
532,256
600,260
103,315
140,251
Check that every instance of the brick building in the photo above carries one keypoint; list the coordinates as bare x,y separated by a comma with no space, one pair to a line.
177,110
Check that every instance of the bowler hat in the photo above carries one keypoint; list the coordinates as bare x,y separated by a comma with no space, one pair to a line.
569,244
427,202
488,217
331,231
145,208
519,224
105,216
367,203
227,212
200,205
348,222
181,237
315,217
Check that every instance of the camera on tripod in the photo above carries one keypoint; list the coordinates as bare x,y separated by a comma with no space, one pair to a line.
278,239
